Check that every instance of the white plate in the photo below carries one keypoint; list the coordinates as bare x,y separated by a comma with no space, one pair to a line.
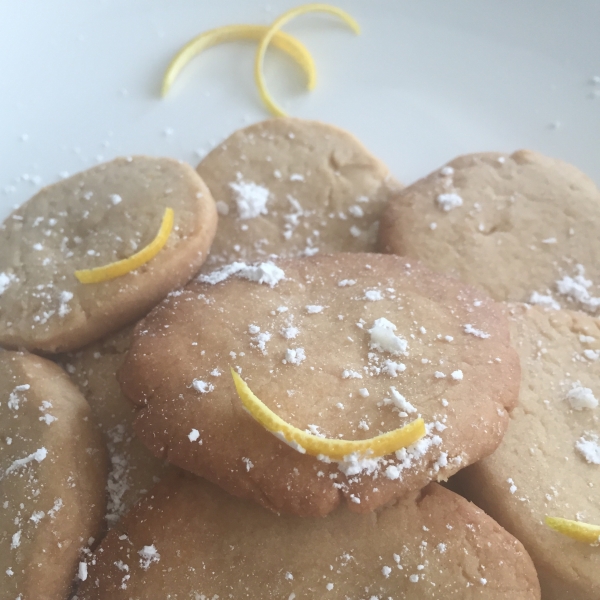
424,82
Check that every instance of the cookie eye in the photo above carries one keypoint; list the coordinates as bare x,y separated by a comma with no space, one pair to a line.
122,267
582,532
334,449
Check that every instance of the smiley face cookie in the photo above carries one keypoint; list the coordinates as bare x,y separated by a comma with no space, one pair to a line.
188,539
133,469
549,461
52,478
290,187
342,346
524,227
98,217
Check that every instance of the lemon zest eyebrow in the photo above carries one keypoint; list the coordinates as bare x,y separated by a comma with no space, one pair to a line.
122,267
273,29
335,449
231,33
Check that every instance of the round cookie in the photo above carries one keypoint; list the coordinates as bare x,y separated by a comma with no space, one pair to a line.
94,218
549,461
52,478
133,469
188,539
524,227
314,341
290,187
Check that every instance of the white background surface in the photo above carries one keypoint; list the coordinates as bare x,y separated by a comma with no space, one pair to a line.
424,82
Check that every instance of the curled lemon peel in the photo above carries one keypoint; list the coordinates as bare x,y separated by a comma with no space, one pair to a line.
272,30
122,267
231,33
582,532
334,449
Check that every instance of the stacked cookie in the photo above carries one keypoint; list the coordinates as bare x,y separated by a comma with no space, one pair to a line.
53,460
298,330
338,341
525,228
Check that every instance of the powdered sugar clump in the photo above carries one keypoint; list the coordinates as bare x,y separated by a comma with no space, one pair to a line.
148,555
313,309
266,272
577,289
251,199
290,332
580,397
447,202
392,368
399,401
64,309
589,448
384,339
5,280
468,328
545,300
39,455
373,295
202,386
294,356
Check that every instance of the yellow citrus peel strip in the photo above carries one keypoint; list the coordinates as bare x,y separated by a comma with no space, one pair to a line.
334,449
122,267
582,532
231,33
273,30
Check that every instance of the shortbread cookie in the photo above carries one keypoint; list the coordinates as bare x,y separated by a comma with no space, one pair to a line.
549,461
89,220
524,227
133,469
347,345
290,187
52,478
188,539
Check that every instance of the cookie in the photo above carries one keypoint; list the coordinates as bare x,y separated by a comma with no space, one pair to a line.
94,218
133,469
549,461
188,539
524,227
291,187
347,345
52,478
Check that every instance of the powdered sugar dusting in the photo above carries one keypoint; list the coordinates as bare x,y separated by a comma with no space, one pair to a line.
39,455
589,448
384,339
5,280
448,202
148,555
577,289
266,272
294,356
545,300
580,397
251,199
468,328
